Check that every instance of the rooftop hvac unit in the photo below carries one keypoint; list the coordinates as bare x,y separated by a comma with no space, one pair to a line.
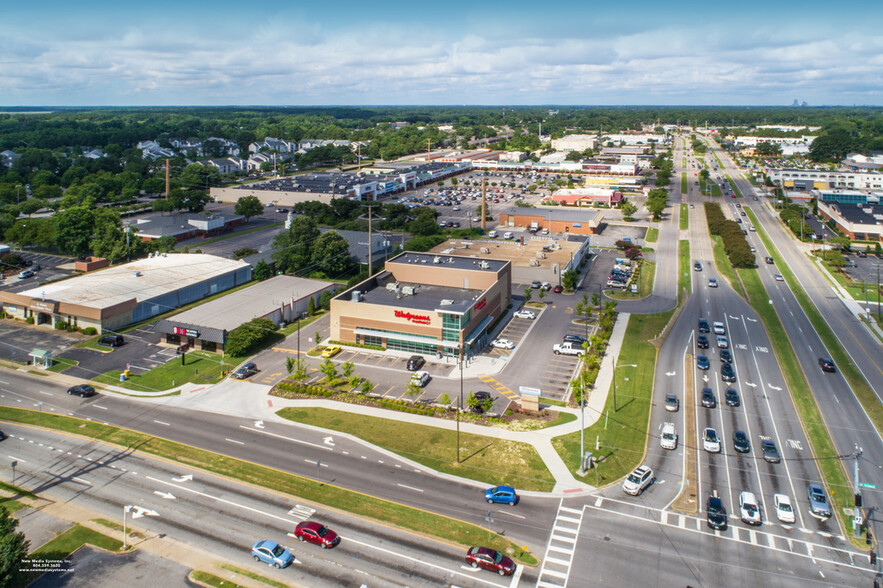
408,290
436,259
137,274
534,263
446,302
393,286
484,265
485,250
357,295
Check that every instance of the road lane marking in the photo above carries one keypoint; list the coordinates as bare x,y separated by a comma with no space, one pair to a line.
233,441
325,447
162,423
314,462
99,406
409,487
82,481
18,459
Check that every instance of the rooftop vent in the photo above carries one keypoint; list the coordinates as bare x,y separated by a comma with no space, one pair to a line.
393,286
446,302
408,290
436,259
137,274
484,265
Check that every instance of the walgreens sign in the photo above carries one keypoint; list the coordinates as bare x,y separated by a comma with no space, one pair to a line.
420,319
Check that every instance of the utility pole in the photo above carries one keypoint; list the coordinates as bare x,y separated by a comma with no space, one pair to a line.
359,154
370,266
460,404
857,515
484,203
167,177
428,149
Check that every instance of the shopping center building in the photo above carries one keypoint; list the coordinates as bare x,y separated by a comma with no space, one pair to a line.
430,304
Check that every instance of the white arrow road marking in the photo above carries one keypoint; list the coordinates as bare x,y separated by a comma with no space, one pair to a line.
735,318
186,478
165,495
771,387
287,438
705,378
750,319
752,384
329,441
670,373
259,424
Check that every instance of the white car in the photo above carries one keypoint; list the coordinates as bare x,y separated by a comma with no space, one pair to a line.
503,344
669,438
421,378
710,441
748,508
638,481
722,342
525,314
784,510
718,328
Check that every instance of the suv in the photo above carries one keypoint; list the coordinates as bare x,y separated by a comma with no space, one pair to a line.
245,371
702,342
638,480
415,362
716,514
669,438
111,340
748,510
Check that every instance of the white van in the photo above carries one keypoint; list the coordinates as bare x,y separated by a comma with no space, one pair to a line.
669,438
508,235
492,234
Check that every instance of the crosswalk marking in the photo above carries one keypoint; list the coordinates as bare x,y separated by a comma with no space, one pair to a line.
563,556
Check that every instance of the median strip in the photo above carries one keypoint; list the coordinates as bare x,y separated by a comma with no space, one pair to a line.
413,519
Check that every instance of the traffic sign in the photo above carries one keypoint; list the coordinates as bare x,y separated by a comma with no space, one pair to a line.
866,485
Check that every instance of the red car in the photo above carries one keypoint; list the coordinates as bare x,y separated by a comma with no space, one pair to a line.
490,559
557,289
317,534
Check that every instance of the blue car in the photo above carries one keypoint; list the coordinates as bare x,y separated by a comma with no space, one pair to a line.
702,362
501,495
271,553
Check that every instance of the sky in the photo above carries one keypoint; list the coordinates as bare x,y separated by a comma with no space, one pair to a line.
291,52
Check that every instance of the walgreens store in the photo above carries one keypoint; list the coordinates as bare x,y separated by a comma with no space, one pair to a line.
425,303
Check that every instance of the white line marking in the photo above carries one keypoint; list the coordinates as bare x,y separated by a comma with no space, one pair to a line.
324,465
99,406
409,487
325,447
233,441
18,459
162,423
82,481
511,514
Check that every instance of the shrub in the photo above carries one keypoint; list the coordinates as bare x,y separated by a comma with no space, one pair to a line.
90,331
30,320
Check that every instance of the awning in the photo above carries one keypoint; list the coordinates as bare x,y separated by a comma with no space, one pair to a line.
403,337
478,331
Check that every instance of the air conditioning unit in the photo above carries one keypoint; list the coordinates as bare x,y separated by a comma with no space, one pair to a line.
436,259
446,302
393,286
484,265
408,290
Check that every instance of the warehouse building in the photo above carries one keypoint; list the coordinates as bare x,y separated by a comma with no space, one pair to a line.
556,220
425,303
281,299
118,296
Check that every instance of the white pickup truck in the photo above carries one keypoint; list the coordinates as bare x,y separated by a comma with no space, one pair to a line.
567,348
669,438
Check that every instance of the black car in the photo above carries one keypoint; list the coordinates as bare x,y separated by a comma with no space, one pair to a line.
111,340
702,342
716,514
2,436
482,398
81,390
703,326
732,397
827,365
570,338
727,373
770,452
768,259
415,362
726,356
702,362
708,399
740,442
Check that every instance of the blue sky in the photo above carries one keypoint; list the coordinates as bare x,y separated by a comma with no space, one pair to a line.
454,52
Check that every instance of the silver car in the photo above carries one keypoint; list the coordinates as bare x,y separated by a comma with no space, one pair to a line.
818,502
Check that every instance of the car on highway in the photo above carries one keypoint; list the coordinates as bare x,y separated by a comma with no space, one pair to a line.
81,390
415,362
420,378
740,442
718,328
702,342
732,397
703,326
725,355
710,441
668,439
671,403
702,362
708,399
818,502
712,282
245,371
317,534
490,559
748,509
770,451
784,510
331,351
727,373
501,495
638,481
571,338
697,267
768,259
722,342
827,365
524,314
502,344
715,514
271,553
779,278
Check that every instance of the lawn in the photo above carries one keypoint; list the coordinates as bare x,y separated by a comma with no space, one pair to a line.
212,580
252,575
734,187
715,189
621,432
201,367
685,276
683,182
65,544
486,459
652,235
722,263
365,505
684,218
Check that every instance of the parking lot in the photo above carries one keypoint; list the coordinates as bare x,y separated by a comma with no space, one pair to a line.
51,267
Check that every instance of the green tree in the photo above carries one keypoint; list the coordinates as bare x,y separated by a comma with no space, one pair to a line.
311,306
290,364
13,548
628,210
300,371
367,386
542,294
528,292
596,299
329,369
331,254
346,368
569,279
261,271
248,206
73,233
444,399
413,390
293,249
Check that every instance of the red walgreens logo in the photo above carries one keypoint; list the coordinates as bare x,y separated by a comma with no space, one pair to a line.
422,319
481,304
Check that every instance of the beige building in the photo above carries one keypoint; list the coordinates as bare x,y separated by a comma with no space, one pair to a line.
424,303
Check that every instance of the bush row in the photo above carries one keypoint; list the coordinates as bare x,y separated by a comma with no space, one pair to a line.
735,245
359,345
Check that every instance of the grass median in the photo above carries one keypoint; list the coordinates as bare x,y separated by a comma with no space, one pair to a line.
684,275
722,263
416,520
684,218
486,459
734,187
621,429
684,182
652,235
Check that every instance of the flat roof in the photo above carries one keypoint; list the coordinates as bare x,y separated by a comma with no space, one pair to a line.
425,297
143,279
447,261
555,214
232,310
